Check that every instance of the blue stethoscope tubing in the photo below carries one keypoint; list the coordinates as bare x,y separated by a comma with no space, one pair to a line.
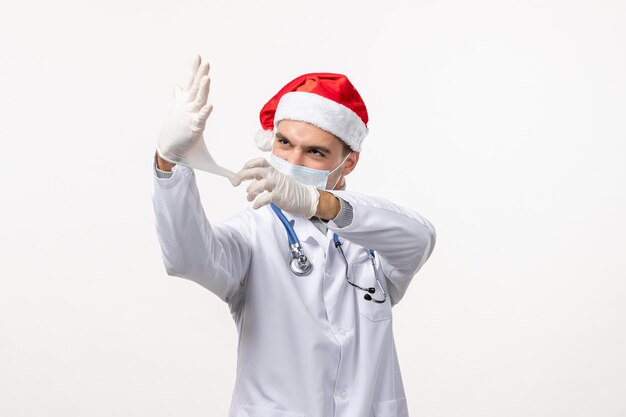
293,238
301,265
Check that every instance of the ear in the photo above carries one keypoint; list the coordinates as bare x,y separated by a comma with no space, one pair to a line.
351,162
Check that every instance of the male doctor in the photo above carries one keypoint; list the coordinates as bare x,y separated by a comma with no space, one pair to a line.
314,316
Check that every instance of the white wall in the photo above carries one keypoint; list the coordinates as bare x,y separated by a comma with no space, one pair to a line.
500,121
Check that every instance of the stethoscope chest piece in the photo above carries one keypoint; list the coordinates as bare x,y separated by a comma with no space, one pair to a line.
300,264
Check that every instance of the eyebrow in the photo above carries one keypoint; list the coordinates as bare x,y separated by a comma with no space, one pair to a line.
308,148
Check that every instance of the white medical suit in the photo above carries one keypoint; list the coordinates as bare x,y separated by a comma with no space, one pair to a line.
308,345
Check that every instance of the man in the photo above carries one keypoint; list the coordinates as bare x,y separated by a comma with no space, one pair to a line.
313,314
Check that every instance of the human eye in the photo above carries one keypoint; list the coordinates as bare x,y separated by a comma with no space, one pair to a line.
317,152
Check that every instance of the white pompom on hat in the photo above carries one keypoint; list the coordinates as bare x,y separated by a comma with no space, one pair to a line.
264,140
328,101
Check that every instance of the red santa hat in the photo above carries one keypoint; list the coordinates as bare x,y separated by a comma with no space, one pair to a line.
328,101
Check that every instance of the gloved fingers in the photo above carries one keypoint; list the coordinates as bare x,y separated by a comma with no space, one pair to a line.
193,91
262,199
257,173
197,124
257,187
251,196
256,162
205,111
193,70
251,170
203,91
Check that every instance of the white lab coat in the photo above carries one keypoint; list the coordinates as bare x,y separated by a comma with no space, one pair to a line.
308,346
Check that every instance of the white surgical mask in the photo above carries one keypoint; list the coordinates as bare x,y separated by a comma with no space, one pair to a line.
308,176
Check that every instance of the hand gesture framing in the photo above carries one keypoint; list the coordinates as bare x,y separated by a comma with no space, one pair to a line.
181,140
272,186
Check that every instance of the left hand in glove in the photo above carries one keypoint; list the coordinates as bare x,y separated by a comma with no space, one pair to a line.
271,186
181,133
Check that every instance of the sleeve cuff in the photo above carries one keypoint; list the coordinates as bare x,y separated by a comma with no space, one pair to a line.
162,174
345,215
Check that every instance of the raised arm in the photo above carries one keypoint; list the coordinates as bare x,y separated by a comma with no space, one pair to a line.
402,238
215,257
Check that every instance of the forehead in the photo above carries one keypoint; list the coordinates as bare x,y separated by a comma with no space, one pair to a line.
306,134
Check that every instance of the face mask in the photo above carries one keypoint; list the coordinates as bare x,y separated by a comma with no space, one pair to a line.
307,176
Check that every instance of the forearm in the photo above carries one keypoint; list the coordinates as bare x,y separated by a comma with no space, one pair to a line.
164,165
328,206
213,256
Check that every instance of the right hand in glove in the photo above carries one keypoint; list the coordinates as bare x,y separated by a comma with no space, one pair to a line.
272,186
181,133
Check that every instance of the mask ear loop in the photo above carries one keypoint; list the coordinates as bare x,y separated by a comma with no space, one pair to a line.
342,162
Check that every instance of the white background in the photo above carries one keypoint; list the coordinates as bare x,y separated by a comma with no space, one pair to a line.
500,121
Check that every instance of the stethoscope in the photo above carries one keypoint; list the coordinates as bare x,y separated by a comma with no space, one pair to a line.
300,264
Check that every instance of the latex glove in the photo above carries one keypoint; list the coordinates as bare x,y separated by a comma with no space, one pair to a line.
180,140
271,186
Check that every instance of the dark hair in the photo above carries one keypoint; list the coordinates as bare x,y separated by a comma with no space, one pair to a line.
346,149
